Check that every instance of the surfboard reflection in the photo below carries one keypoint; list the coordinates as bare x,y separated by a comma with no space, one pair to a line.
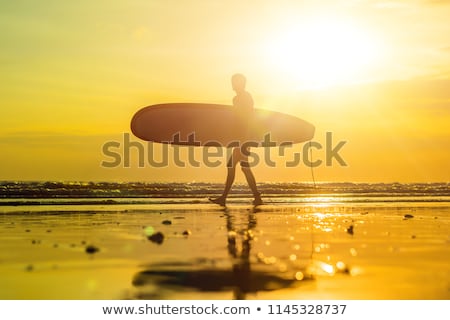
247,275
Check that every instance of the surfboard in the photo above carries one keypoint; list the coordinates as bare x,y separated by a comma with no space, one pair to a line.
203,124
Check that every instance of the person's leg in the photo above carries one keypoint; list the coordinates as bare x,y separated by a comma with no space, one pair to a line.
251,183
245,166
231,173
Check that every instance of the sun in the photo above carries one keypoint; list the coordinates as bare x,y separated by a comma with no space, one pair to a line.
321,53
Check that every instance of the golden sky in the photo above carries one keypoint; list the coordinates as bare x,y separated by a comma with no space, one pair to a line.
374,73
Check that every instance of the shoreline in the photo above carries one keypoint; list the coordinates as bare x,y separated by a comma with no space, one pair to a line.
283,251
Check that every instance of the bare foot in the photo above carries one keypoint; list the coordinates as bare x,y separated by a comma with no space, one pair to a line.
220,201
258,201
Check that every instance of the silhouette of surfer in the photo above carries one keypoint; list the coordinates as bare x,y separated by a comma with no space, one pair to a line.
244,102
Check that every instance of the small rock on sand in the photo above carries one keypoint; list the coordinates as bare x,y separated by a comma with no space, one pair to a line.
91,249
156,238
350,230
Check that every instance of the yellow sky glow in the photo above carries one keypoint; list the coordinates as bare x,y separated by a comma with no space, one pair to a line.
375,73
322,52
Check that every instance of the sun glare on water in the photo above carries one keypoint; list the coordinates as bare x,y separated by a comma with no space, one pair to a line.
321,53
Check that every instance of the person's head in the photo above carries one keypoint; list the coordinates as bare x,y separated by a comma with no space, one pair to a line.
238,82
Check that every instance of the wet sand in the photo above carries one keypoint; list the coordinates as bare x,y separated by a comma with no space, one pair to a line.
321,250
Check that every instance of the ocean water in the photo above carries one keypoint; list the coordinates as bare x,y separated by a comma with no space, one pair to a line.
19,195
323,241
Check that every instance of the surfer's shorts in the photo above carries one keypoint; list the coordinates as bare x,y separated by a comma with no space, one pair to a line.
244,164
239,156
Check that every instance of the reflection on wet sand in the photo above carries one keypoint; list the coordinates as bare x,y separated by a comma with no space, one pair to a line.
353,251
249,273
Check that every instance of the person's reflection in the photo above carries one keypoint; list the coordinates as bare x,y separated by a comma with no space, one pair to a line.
240,235
159,281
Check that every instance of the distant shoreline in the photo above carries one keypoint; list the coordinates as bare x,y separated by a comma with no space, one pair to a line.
106,190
